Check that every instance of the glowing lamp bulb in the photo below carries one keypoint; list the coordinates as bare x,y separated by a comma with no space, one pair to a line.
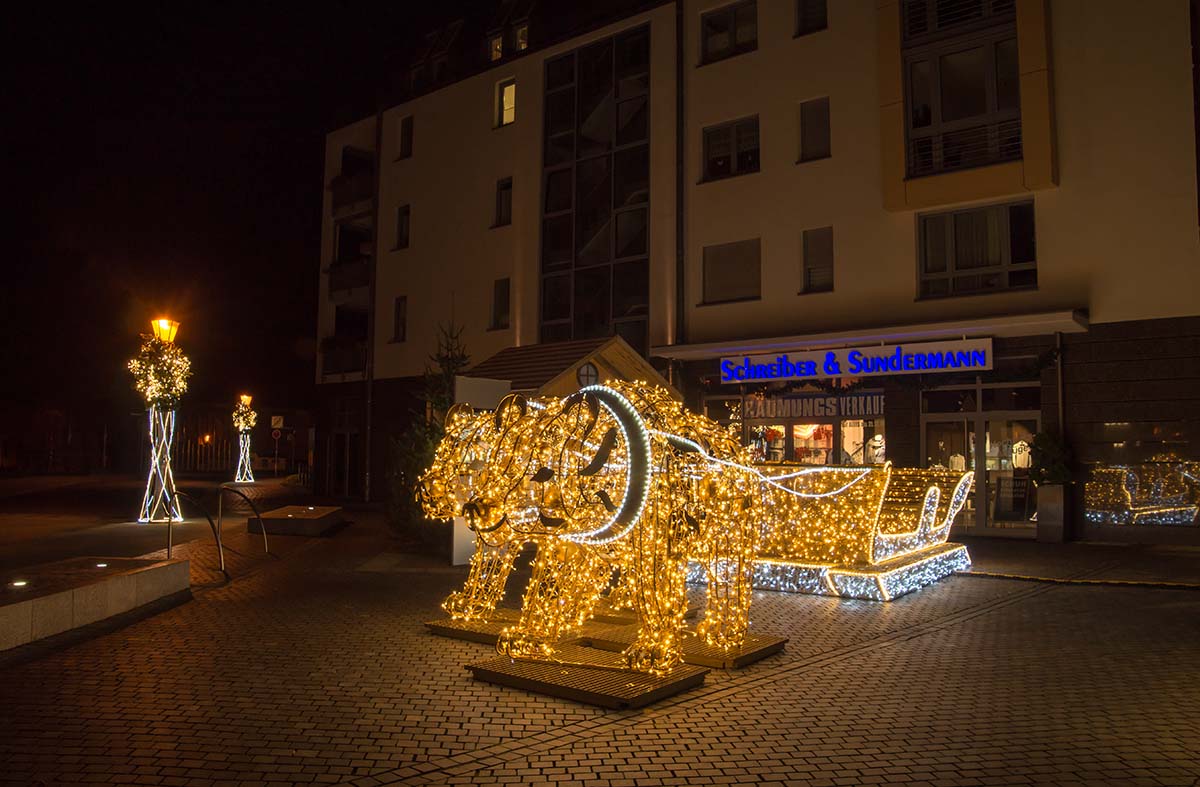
20,583
164,329
246,399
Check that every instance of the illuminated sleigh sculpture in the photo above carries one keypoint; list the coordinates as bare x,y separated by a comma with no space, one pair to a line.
1153,493
866,532
616,481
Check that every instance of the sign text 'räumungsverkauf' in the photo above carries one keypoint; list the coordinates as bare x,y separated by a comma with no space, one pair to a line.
956,356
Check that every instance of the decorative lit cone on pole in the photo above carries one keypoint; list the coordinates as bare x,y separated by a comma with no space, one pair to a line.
244,419
160,372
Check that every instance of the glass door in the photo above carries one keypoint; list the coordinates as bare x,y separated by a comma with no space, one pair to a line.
1011,498
950,445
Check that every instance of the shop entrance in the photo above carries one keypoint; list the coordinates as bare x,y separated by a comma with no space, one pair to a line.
988,428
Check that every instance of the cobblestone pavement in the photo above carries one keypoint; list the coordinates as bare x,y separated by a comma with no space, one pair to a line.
309,669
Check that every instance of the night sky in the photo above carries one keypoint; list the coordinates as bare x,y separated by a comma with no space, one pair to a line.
168,159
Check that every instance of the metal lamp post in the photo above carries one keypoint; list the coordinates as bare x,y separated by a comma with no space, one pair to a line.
161,372
243,420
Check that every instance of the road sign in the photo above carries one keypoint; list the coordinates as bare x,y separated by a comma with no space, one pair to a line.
277,422
276,434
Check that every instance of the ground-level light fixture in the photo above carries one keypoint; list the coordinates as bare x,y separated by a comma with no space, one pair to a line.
19,583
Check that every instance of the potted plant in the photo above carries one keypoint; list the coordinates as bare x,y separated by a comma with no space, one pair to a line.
1050,469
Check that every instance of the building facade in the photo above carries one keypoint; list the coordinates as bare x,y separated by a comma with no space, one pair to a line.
740,189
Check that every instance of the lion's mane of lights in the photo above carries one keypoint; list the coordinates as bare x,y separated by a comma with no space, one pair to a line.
624,492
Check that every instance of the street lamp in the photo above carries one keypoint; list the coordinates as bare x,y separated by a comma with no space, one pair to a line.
160,375
165,329
243,421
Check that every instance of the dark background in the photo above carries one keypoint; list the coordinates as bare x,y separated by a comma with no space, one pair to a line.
168,159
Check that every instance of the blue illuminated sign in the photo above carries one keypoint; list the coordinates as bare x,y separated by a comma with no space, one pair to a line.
966,355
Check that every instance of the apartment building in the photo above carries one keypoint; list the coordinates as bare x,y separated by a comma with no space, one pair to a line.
909,230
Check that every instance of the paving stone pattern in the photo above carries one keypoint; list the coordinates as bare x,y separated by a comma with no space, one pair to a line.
305,669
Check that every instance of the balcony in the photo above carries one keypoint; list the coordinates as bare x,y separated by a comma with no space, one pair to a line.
343,355
965,148
349,189
349,274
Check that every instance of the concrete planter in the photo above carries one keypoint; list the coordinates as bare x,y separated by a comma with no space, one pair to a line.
1052,513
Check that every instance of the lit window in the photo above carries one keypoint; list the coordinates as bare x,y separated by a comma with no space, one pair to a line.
495,48
506,102
522,37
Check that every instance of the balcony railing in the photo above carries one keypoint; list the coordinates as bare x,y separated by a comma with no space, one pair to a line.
350,274
965,148
340,355
924,19
349,189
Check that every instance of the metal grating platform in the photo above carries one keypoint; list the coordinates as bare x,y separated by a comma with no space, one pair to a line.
595,685
695,650
485,631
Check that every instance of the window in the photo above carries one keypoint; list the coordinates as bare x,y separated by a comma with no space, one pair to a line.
596,192
495,47
732,271
506,102
731,149
402,221
818,260
811,16
500,293
961,85
978,250
522,38
814,129
503,202
400,319
728,31
405,143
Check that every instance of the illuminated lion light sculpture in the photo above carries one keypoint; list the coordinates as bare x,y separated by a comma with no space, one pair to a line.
616,479
621,479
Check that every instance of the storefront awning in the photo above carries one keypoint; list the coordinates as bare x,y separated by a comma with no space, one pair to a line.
1040,324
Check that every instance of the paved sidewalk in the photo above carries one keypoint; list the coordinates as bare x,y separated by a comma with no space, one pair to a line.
314,667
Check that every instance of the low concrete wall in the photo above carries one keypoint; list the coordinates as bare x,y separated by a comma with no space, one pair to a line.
64,596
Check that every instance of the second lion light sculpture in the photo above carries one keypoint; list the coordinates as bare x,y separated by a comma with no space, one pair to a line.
624,491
